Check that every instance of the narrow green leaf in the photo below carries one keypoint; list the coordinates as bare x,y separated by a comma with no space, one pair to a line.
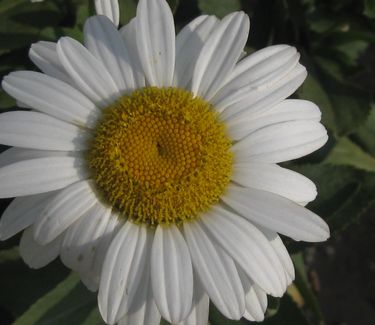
51,299
303,285
68,303
24,286
94,318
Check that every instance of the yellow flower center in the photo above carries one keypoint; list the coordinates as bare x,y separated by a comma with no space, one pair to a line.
160,156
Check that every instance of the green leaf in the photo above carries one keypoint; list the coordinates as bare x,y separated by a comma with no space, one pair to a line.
344,194
345,152
352,50
21,22
219,8
94,318
68,303
366,134
351,104
22,285
369,8
83,12
128,9
54,33
312,90
355,206
8,5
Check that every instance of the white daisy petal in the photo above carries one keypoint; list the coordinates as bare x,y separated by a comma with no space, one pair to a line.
119,101
128,33
249,100
276,213
217,272
171,274
156,41
147,313
287,110
114,224
20,104
105,43
255,298
39,175
263,67
275,179
90,280
108,8
262,297
200,310
82,238
219,54
63,210
51,96
88,73
104,236
122,270
189,43
15,154
144,290
281,142
281,252
39,131
36,255
248,247
44,56
21,213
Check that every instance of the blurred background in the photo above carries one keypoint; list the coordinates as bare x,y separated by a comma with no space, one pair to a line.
335,280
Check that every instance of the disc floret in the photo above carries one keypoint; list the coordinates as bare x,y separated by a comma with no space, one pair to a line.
160,156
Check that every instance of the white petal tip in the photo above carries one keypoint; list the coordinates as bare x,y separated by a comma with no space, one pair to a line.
320,236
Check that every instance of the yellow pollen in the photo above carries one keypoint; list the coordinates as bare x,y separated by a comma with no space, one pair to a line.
160,156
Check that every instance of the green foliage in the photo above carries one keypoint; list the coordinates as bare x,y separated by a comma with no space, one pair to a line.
219,8
365,135
68,303
21,286
345,193
334,39
369,8
304,288
348,153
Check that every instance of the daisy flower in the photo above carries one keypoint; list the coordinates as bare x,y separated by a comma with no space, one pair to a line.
148,163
